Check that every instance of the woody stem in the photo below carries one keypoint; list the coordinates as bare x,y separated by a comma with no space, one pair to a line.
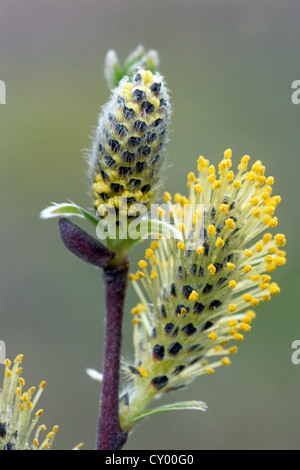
110,435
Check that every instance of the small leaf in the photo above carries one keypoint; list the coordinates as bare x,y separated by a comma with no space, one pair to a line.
184,405
66,209
94,374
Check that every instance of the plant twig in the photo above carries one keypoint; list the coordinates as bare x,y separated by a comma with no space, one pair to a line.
110,435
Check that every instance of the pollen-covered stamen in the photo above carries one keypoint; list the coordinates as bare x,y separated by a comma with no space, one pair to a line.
129,147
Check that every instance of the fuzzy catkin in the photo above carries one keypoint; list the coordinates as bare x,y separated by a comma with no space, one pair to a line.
130,143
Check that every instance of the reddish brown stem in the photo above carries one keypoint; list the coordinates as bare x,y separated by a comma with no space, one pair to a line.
110,435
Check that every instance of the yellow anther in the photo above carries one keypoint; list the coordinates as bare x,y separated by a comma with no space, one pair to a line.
154,245
194,296
259,247
273,222
265,298
132,277
238,337
279,261
139,275
39,413
230,223
248,253
143,372
139,308
264,286
181,227
254,302
200,250
211,170
19,358
237,184
224,208
212,269
202,163
149,252
269,210
251,314
254,201
257,212
181,245
211,230
167,197
160,211
7,362
232,323
270,267
245,327
245,159
198,188
220,242
153,274
233,350
191,177
274,289
232,308
211,179
280,239
230,176
230,266
210,370
232,284
226,361
270,181
55,428
142,264
247,297
227,153
267,238
247,269
216,184
43,384
255,277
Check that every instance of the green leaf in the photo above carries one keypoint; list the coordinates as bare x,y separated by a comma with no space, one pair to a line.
184,405
66,210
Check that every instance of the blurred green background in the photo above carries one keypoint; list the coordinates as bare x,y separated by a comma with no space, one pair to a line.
229,65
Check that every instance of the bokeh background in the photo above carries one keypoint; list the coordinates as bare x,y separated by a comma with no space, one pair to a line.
230,66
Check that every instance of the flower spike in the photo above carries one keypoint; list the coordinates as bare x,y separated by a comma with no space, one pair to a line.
130,142
197,296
